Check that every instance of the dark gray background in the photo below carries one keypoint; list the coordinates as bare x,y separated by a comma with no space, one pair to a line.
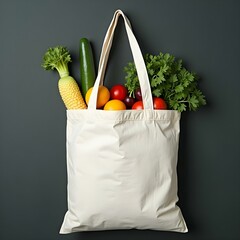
205,34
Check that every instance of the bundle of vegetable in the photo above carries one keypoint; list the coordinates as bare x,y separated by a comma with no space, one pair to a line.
58,58
169,80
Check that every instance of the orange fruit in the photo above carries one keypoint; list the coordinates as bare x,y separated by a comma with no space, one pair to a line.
115,105
103,96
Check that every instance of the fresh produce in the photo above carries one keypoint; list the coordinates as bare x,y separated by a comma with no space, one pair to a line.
169,80
138,105
58,58
118,92
103,96
129,101
115,104
87,69
138,94
159,103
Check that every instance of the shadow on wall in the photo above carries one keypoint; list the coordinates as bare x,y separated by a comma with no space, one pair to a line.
183,172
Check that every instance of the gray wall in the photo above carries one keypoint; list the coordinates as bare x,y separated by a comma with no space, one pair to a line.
205,34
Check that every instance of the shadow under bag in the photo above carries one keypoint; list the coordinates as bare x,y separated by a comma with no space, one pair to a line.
121,165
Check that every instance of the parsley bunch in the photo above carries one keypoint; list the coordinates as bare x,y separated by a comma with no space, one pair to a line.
169,80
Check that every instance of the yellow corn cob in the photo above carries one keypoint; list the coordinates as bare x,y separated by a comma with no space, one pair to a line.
70,93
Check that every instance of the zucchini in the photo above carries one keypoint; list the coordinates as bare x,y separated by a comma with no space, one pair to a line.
87,68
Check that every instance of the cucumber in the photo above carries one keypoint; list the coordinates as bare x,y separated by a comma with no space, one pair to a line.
87,68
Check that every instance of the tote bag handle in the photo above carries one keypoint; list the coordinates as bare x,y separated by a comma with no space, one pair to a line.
108,42
137,57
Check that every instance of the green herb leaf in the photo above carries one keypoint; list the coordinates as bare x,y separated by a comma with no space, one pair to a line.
179,88
57,58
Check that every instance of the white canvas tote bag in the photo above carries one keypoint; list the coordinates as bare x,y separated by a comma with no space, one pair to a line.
121,165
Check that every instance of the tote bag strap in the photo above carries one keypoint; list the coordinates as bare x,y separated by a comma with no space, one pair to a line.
107,40
107,43
137,57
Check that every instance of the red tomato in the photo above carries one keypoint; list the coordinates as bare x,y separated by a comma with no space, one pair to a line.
138,105
118,92
159,103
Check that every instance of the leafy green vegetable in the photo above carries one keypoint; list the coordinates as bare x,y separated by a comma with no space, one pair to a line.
57,57
169,80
